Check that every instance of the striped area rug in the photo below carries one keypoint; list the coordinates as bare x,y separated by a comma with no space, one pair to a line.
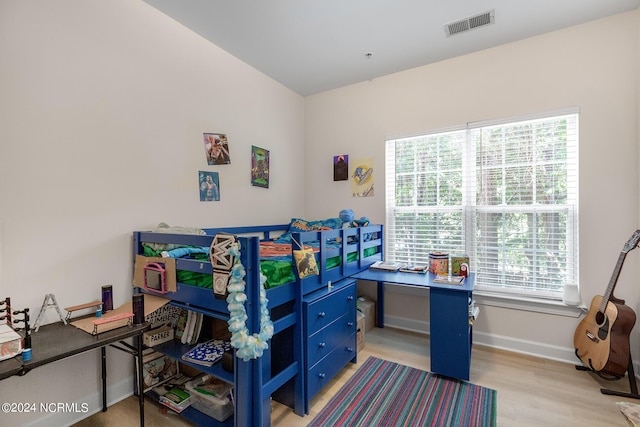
383,393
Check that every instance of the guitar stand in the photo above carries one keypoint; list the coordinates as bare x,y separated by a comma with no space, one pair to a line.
633,386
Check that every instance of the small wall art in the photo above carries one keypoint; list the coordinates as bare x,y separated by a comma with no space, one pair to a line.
209,186
259,167
216,148
341,167
362,178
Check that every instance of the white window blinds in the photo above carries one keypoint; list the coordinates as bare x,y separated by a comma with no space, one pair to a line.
504,193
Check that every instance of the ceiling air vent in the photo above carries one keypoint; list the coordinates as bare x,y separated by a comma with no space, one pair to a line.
470,23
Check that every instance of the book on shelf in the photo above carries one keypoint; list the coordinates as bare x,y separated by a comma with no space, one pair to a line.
182,323
420,269
176,399
385,266
197,328
187,327
448,280
207,353
192,327
157,369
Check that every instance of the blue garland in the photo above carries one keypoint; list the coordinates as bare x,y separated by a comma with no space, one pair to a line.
247,346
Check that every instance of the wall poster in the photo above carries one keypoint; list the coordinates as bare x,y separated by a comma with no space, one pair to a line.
362,178
341,167
216,148
259,167
209,186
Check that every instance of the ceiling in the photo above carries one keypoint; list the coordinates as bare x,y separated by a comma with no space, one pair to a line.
312,46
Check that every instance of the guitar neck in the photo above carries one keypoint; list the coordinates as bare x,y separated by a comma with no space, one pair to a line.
628,246
613,281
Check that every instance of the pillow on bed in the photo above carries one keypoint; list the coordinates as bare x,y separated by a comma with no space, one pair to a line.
164,228
301,225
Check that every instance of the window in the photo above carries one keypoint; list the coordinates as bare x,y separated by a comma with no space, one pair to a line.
504,193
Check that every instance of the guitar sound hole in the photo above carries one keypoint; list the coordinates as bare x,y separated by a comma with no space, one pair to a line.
599,318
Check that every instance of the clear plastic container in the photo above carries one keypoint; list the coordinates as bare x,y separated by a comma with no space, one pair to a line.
211,396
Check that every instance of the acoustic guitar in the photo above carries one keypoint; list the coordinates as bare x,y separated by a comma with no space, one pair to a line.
601,339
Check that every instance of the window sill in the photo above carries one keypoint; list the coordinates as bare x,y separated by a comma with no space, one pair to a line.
557,308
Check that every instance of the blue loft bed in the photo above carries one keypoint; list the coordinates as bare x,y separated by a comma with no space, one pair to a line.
278,373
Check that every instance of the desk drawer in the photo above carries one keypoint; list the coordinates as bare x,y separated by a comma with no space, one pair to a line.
321,373
324,310
324,341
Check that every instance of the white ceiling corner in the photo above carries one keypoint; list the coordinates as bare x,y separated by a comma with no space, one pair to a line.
312,46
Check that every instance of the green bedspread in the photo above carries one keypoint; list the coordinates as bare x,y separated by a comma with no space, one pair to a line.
276,272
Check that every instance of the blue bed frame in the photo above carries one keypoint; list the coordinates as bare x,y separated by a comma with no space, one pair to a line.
254,382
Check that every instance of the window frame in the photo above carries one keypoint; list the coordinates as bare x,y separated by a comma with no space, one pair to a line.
537,300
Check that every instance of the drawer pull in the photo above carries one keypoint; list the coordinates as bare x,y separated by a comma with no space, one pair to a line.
349,349
321,314
350,298
321,376
349,324
321,345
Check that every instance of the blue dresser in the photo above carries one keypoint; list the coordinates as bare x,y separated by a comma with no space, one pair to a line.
330,334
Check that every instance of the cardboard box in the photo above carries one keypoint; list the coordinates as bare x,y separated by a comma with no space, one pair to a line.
360,334
169,267
158,336
10,342
368,308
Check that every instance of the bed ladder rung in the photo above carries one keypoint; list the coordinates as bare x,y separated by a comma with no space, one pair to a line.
270,386
284,322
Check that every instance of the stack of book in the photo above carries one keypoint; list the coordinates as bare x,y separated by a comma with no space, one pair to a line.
385,266
176,399
420,269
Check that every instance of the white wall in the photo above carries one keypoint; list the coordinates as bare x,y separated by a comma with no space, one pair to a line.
593,66
102,110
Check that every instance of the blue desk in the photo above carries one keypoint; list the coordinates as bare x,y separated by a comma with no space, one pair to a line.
450,330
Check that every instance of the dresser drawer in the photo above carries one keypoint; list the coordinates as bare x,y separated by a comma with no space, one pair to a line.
321,373
324,341
323,310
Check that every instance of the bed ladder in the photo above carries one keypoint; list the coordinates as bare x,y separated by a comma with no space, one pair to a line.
260,369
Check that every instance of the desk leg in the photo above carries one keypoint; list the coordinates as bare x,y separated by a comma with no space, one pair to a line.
103,355
380,306
138,341
450,331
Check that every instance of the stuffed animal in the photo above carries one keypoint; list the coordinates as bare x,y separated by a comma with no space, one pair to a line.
347,216
362,222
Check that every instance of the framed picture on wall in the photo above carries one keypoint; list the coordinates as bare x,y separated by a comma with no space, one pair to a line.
362,178
216,148
259,167
341,167
209,186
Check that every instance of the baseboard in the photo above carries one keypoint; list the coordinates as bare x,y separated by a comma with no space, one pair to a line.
531,348
89,405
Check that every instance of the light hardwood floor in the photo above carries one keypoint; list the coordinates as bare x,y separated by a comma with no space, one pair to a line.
531,391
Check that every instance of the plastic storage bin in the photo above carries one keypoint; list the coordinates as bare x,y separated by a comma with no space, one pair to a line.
220,406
